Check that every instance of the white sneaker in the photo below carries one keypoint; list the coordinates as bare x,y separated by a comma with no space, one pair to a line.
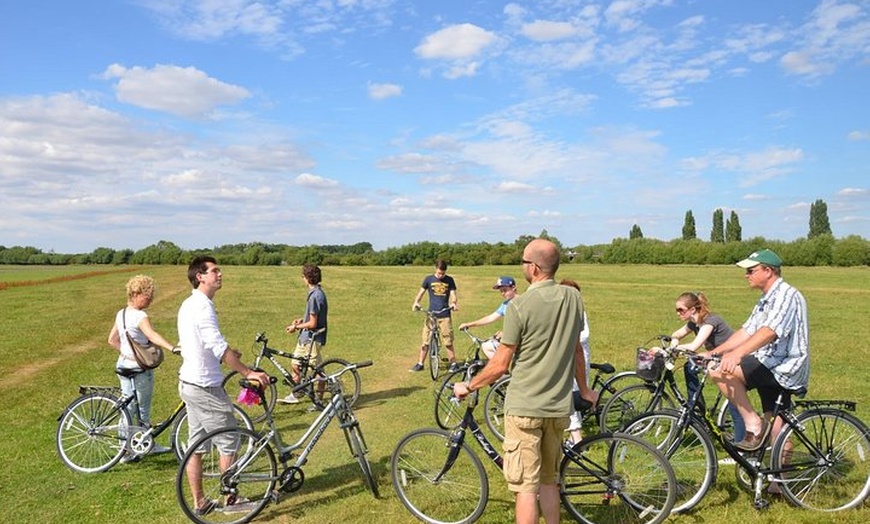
289,399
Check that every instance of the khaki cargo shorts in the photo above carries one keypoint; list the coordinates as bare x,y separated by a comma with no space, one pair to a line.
532,451
445,326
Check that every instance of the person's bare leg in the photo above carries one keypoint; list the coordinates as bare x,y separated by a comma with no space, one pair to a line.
548,498
733,386
451,355
194,479
527,508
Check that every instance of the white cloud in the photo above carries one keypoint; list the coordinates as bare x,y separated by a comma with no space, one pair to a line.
314,181
182,91
456,42
546,30
859,136
382,91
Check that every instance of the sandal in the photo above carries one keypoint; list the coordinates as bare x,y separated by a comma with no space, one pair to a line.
209,506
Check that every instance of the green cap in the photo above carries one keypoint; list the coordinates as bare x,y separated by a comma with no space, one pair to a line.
765,256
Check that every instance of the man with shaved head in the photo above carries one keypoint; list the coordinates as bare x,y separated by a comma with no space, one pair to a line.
540,345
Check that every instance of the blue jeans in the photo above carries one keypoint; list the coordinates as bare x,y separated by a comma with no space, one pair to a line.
692,385
140,407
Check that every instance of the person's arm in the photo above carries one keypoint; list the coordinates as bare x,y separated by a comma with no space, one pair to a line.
731,358
482,321
115,337
580,375
678,335
704,333
232,358
300,325
153,336
497,366
417,299
453,300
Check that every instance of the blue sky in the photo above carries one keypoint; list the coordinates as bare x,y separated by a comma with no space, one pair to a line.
211,122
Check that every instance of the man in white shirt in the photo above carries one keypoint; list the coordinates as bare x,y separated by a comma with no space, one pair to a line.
203,348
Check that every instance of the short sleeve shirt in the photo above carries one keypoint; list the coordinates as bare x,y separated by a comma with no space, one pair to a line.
783,310
544,324
439,293
315,305
721,330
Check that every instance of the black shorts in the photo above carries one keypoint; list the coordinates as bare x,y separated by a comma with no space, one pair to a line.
759,377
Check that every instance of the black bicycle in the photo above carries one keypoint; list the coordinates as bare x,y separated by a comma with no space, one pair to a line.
819,459
434,344
314,390
607,478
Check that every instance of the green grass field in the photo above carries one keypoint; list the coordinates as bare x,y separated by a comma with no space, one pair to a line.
53,338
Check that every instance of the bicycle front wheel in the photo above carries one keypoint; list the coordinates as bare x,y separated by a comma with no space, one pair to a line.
257,412
360,451
689,450
449,410
180,429
627,403
615,383
614,478
235,494
493,406
436,481
92,433
434,355
827,468
351,383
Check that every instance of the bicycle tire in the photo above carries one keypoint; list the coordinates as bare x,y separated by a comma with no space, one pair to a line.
359,450
252,474
257,413
831,472
690,451
434,354
459,496
615,478
616,382
351,383
448,409
493,406
90,434
628,403
180,431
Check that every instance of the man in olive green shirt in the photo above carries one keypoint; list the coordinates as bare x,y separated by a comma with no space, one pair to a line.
541,345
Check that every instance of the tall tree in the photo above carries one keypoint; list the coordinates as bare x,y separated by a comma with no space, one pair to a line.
689,232
717,234
819,223
733,231
635,232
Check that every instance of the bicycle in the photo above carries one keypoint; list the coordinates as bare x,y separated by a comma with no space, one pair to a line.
253,471
817,461
606,478
96,430
434,340
602,382
659,390
303,387
448,409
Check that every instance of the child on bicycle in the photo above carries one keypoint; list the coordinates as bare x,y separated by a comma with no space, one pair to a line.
507,286
311,328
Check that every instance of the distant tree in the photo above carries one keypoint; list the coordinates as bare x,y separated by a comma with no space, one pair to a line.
689,232
819,223
717,234
635,232
733,231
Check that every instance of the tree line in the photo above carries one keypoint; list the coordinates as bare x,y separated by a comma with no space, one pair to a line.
820,250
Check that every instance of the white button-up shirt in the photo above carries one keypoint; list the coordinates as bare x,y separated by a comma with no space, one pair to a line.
202,344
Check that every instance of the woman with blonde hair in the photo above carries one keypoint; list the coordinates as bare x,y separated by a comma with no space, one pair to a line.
133,320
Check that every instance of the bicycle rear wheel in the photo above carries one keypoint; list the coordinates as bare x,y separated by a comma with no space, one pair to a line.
614,478
92,433
829,465
434,355
180,429
257,412
618,381
351,383
690,452
250,477
493,407
359,450
436,481
449,410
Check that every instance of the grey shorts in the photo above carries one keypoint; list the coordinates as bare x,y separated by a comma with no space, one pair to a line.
208,409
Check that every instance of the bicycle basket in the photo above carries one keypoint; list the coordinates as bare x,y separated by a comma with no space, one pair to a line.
649,365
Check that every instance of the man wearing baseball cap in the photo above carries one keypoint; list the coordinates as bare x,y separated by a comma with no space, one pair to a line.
507,286
770,352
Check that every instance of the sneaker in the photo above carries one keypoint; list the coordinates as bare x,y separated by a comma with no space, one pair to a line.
130,458
157,449
238,504
209,506
315,408
417,367
289,399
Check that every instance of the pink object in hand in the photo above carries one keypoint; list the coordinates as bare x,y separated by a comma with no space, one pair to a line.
248,397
